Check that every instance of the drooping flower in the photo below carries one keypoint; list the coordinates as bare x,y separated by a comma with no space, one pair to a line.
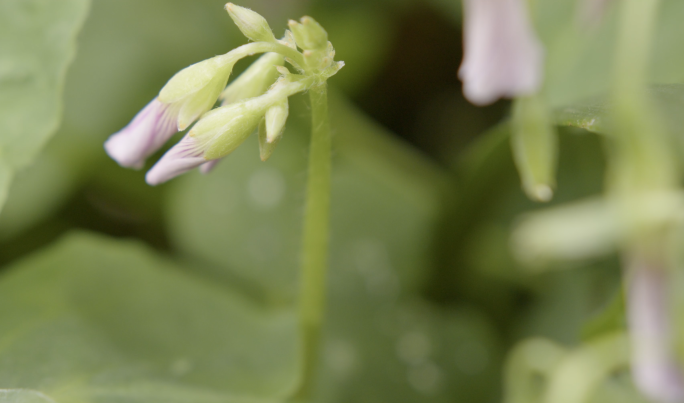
220,131
257,96
502,55
146,133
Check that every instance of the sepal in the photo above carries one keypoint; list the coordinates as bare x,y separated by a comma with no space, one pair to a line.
309,34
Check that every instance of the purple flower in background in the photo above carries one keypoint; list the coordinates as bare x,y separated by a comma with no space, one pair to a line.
654,366
502,55
146,133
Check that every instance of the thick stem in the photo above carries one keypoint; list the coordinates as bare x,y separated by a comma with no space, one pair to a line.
315,239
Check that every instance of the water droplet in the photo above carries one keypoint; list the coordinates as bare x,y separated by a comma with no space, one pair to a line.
371,259
221,199
426,378
370,255
266,188
341,357
414,347
181,367
264,243
472,357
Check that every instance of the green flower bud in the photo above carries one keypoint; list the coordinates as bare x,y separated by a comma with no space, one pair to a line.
256,80
289,40
223,129
276,116
195,89
251,24
309,35
265,148
534,141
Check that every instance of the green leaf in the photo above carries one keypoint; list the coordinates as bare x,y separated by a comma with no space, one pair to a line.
95,320
38,40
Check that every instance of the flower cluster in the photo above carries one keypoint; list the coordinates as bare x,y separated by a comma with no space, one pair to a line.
256,99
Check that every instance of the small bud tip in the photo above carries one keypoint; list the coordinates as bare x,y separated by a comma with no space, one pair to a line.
542,193
229,6
306,20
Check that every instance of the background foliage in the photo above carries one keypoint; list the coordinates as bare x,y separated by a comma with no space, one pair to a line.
113,291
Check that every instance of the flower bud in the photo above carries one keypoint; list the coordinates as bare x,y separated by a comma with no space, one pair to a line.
181,158
222,130
255,81
265,148
252,25
309,35
196,88
272,127
276,116
146,133
534,141
502,56
289,40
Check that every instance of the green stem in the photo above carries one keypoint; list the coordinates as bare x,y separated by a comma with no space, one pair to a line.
315,238
641,159
253,48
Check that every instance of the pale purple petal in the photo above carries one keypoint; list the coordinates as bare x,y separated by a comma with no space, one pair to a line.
654,367
502,55
180,159
208,166
146,133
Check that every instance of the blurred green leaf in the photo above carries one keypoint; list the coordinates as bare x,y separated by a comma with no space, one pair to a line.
611,318
580,48
127,51
408,352
23,396
38,42
96,320
594,114
245,217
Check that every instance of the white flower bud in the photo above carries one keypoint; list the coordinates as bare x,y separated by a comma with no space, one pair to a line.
251,24
265,148
256,80
276,116
272,127
289,40
195,89
222,130
309,35
146,133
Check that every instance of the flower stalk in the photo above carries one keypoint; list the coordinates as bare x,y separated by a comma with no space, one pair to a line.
257,99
